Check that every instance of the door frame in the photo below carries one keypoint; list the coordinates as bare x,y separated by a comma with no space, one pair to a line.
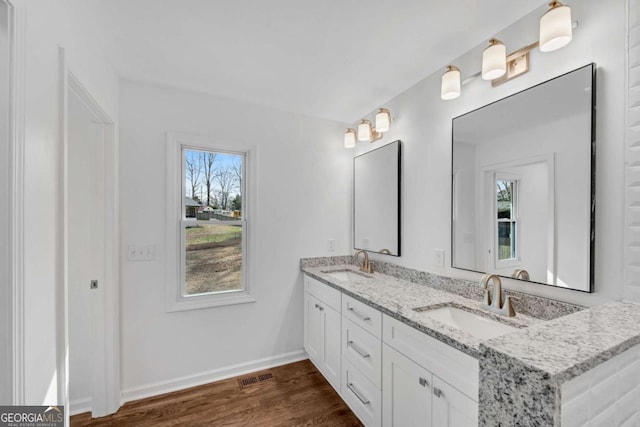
17,26
106,397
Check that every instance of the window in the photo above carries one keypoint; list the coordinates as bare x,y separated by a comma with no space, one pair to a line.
207,244
506,221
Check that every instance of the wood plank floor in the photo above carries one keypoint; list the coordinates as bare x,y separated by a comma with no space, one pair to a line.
297,395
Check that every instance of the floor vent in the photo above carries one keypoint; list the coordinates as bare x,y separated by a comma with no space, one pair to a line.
249,381
265,377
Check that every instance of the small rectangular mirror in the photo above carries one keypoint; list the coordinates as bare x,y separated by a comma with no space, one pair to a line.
523,187
376,200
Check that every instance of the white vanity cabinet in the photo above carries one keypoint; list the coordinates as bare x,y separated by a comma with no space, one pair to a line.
322,328
389,373
407,391
423,380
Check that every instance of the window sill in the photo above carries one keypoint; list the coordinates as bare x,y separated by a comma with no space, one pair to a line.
209,301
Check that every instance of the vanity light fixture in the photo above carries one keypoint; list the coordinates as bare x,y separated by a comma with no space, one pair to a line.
555,27
451,83
366,132
383,120
556,31
350,138
494,60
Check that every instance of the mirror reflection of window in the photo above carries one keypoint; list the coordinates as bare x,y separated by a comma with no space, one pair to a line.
522,184
506,227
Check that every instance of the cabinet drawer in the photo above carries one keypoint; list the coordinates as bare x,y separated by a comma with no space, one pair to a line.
363,350
455,367
368,318
362,396
323,292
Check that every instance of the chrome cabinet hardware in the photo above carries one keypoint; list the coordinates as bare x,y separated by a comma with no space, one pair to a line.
357,314
319,307
359,395
357,349
437,392
423,382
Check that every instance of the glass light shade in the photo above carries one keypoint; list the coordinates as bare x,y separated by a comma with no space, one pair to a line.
350,138
364,131
494,60
451,86
556,27
383,120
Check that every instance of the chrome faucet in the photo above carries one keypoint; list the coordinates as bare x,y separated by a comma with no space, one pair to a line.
493,303
365,266
520,274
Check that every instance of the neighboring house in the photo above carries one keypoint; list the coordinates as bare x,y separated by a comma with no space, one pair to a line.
191,207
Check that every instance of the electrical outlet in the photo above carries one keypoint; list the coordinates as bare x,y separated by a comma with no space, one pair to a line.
439,258
331,245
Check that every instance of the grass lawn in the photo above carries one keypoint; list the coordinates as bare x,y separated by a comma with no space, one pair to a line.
213,258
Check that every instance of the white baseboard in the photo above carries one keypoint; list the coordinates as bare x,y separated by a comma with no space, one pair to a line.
79,406
181,383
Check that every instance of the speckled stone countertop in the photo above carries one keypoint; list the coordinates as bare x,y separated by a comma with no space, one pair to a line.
398,298
521,374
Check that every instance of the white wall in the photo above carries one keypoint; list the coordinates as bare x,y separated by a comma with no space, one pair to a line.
423,123
304,198
49,25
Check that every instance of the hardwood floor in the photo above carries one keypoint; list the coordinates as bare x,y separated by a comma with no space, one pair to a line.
296,395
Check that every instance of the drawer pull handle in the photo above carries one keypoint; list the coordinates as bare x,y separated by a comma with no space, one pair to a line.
362,399
357,349
358,315
437,392
423,382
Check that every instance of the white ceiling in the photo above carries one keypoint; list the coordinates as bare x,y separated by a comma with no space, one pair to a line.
336,59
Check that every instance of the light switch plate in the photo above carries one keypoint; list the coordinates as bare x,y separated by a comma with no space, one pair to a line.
141,252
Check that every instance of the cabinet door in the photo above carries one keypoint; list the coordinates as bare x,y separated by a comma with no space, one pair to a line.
406,391
332,341
451,408
313,329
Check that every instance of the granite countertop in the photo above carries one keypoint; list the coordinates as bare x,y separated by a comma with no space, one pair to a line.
398,298
571,345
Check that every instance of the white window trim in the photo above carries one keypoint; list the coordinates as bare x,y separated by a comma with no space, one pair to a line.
510,262
174,241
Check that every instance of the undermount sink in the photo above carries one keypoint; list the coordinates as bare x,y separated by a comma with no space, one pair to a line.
345,275
474,324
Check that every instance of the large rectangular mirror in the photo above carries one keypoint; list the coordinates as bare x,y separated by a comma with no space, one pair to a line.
376,200
523,185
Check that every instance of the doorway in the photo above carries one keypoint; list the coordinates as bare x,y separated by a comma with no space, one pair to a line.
91,256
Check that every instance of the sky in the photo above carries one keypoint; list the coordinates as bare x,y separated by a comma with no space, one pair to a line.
222,161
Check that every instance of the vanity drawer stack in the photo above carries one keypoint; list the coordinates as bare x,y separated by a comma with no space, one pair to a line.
362,360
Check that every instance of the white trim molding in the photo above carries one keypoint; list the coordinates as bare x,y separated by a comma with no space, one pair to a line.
180,383
174,238
632,184
17,28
